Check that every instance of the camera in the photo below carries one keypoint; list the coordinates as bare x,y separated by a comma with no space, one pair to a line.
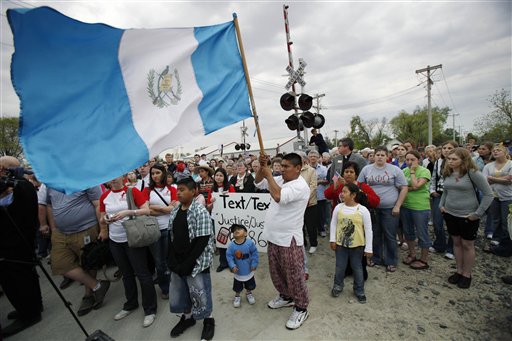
13,175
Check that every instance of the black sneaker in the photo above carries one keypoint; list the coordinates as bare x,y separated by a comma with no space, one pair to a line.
464,282
208,329
221,268
182,325
454,279
335,292
86,305
361,299
99,295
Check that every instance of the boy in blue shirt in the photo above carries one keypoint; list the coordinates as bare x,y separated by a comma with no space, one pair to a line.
243,259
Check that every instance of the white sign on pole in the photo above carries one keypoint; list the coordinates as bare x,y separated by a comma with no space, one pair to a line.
296,76
247,209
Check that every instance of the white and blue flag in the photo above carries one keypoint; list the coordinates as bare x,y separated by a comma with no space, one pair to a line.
98,101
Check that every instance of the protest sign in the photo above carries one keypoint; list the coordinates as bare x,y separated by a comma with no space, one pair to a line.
247,209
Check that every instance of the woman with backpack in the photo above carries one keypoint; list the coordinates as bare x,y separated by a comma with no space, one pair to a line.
462,210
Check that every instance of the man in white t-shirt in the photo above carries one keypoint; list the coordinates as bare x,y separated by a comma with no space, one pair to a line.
283,231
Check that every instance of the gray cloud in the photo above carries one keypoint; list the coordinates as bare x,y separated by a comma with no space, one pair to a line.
358,54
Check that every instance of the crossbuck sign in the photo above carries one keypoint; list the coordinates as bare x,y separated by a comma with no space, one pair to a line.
296,76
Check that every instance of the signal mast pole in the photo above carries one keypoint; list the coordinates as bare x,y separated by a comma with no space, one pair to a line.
290,62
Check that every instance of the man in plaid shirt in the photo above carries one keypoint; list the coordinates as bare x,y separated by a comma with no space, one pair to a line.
191,247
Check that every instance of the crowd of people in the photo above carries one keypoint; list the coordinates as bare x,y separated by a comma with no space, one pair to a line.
369,203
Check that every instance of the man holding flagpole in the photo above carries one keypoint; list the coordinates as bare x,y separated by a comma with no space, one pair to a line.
283,231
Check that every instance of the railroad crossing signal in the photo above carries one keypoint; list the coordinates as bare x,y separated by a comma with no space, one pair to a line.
296,76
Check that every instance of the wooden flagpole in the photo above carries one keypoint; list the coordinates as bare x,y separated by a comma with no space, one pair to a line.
248,80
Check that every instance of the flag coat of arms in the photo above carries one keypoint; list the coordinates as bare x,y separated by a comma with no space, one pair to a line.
98,101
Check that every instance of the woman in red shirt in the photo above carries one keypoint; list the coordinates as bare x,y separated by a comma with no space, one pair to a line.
350,175
161,198
132,261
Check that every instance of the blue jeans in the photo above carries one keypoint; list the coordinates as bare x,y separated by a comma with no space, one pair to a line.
384,237
343,255
499,212
415,223
441,244
132,261
191,294
159,250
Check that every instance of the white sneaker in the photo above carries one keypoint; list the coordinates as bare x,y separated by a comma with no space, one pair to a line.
250,298
323,234
279,302
296,319
312,249
122,314
236,302
449,255
489,236
431,249
495,242
148,320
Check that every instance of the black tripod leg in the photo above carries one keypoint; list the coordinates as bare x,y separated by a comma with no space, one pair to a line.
38,262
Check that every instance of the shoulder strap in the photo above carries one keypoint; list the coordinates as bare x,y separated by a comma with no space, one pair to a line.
129,199
165,202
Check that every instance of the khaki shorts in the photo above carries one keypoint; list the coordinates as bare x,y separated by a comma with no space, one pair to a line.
67,248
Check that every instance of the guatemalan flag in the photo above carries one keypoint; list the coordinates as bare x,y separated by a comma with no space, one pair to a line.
98,101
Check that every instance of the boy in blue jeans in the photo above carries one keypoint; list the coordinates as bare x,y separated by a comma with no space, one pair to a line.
191,245
243,259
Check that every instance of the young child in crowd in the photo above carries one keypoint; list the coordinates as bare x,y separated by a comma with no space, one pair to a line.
191,244
243,259
350,237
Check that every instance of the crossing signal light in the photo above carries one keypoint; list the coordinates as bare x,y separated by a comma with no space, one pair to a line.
242,146
294,123
308,119
319,121
305,102
287,101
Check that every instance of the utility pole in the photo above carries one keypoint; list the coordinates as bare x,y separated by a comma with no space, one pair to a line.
335,138
429,85
453,123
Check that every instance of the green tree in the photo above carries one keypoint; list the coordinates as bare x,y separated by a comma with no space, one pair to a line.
414,126
9,139
447,134
497,125
368,133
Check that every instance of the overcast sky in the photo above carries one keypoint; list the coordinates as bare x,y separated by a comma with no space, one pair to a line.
361,55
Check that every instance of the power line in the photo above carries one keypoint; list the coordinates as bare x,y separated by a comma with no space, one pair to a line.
267,83
448,89
22,2
440,95
375,100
